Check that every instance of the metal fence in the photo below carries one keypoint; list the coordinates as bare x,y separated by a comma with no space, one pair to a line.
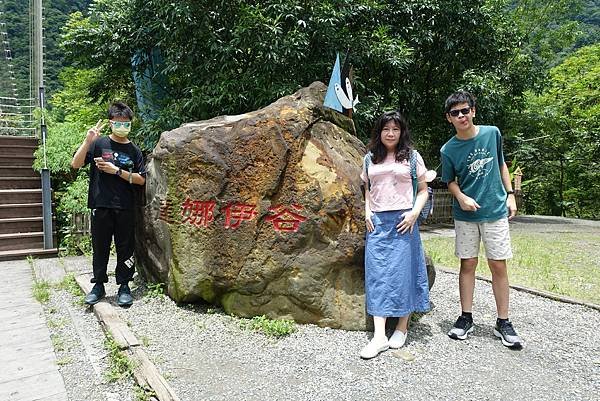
80,224
442,206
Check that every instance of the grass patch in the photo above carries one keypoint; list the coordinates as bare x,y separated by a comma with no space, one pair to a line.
56,323
156,290
58,343
562,263
270,327
41,291
143,394
79,301
64,361
30,260
70,285
119,364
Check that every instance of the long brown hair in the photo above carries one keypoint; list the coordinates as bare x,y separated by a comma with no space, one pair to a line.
404,144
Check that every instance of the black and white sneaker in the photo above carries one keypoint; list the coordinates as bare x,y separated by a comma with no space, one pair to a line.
506,332
461,329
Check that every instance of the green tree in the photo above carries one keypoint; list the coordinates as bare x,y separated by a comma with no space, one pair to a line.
560,137
229,58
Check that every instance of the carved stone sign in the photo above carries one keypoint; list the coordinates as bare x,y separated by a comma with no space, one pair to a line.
261,213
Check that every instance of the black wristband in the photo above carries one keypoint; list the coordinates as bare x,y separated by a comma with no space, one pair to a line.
118,172
511,192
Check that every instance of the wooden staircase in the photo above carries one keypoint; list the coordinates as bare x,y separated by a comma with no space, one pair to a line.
21,218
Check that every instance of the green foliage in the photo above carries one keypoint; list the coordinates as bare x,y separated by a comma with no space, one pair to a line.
70,285
30,261
41,291
119,364
270,327
72,201
156,290
62,142
589,18
75,102
143,394
546,27
64,361
560,136
16,15
56,324
232,57
58,343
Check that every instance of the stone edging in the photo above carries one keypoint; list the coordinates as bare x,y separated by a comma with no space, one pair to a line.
533,291
145,373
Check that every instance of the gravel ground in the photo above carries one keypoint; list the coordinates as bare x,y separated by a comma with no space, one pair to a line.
208,356
78,343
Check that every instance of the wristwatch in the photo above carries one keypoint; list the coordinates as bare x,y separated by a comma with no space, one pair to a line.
118,172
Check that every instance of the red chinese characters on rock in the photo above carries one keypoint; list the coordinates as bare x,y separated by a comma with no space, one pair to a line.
166,211
201,213
235,213
285,219
198,213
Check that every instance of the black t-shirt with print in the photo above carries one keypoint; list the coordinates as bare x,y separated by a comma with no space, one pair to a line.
109,190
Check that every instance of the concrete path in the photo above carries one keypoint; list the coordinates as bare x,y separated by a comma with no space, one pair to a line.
27,360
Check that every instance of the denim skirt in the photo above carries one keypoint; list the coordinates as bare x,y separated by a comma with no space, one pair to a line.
395,273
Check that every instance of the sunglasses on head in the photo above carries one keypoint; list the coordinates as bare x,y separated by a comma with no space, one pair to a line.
465,111
119,124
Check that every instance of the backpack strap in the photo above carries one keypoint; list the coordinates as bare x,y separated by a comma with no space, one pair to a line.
367,162
413,174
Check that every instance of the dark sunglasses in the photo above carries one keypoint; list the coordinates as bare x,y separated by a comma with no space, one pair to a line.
465,111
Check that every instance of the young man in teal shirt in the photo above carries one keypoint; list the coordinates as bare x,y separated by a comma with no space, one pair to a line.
473,167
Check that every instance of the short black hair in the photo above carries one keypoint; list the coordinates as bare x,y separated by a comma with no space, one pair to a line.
458,98
119,109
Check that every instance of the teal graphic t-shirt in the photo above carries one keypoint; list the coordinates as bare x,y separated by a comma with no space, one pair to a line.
475,165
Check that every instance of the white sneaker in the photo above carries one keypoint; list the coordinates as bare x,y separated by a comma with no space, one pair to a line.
373,348
397,339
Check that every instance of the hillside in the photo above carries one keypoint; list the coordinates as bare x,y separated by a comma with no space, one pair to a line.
15,15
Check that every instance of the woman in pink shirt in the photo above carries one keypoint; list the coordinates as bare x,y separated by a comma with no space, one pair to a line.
395,273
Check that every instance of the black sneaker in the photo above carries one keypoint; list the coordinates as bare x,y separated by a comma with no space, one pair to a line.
506,332
124,297
96,294
461,329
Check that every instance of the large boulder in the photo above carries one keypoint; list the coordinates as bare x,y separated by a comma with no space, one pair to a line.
261,213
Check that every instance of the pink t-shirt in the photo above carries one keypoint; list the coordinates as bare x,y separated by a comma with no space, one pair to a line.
391,184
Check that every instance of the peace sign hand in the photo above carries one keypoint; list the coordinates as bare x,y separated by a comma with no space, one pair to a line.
94,132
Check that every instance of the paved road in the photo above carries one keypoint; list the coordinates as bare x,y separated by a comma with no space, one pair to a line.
28,364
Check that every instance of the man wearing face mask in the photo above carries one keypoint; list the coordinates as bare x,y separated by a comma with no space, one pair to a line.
116,165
